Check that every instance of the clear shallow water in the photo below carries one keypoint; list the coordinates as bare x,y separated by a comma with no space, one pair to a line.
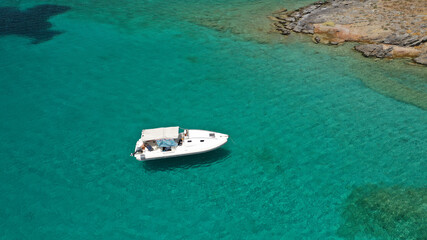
306,131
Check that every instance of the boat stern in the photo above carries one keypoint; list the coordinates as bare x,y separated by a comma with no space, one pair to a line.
140,157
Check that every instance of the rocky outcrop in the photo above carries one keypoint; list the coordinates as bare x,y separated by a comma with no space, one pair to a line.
382,26
386,51
404,40
421,59
299,20
374,50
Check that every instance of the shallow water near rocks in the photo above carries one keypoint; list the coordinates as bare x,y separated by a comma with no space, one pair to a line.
306,128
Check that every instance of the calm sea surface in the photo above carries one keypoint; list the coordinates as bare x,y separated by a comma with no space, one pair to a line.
310,126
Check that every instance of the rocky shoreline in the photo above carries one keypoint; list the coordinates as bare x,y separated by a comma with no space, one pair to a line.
385,28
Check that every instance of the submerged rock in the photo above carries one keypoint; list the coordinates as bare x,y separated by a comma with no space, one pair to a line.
385,213
316,39
280,11
32,23
285,32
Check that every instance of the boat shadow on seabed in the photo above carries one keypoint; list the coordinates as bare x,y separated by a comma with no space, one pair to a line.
192,161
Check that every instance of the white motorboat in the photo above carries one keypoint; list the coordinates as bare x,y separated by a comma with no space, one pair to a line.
169,142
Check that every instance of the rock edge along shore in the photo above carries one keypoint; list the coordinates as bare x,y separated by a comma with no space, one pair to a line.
385,28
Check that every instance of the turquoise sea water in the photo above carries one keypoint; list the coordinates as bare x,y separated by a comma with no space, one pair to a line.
310,125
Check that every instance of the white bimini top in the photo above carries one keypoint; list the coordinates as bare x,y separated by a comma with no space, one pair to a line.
160,133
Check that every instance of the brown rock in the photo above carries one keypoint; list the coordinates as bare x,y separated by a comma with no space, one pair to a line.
316,39
400,52
273,18
388,51
337,32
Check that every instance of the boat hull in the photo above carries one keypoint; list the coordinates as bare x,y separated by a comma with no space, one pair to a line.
141,157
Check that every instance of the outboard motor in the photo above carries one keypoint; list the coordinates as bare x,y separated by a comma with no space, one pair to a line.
138,150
